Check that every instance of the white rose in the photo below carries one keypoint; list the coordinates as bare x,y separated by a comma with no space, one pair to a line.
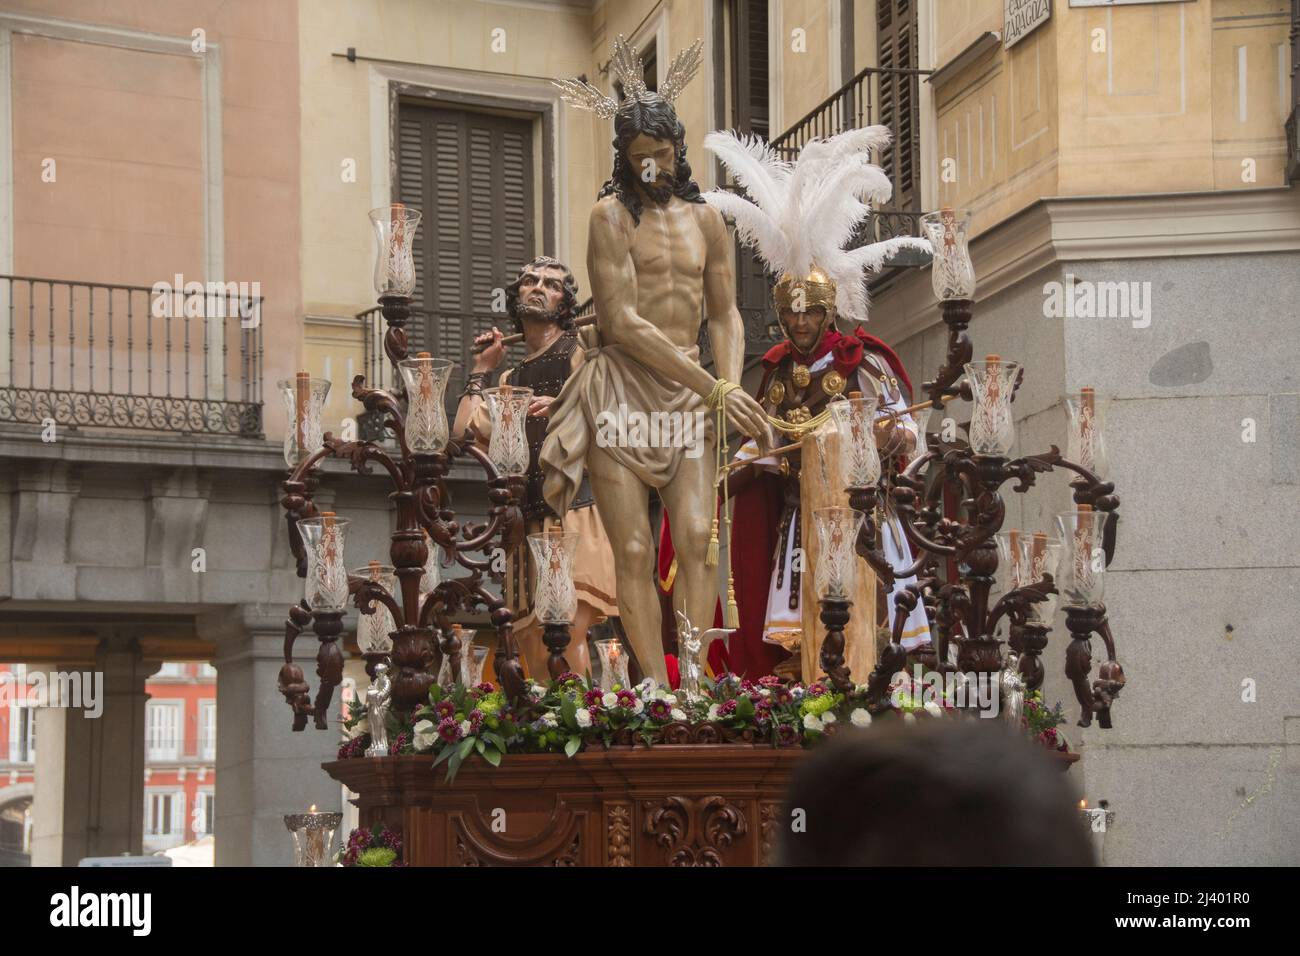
713,712
828,717
933,709
678,714
765,693
425,733
638,706
811,722
583,717
909,718
464,728
646,686
539,690
549,719
860,718
609,699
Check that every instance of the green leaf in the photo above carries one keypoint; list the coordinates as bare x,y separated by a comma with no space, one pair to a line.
435,693
744,707
568,711
443,755
492,756
573,746
478,744
497,741
465,747
453,766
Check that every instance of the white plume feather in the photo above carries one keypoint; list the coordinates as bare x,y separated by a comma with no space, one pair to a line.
804,214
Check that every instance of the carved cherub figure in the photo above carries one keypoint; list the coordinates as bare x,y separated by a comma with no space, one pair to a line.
378,699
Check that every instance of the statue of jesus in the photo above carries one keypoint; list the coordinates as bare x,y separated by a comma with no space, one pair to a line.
659,259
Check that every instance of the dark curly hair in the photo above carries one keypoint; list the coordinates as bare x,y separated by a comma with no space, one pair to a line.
655,118
564,316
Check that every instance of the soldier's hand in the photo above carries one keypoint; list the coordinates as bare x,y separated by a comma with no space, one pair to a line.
491,356
747,417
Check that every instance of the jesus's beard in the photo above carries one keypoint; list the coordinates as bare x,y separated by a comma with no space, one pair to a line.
659,190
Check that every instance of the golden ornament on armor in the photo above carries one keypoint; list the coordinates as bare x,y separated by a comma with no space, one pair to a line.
797,416
801,376
776,393
833,383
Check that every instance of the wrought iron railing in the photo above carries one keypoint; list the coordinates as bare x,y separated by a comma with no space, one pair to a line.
119,356
876,95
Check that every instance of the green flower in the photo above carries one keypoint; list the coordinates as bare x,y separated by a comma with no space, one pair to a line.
817,705
491,703
377,856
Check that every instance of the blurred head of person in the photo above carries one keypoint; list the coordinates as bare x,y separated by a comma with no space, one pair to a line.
933,793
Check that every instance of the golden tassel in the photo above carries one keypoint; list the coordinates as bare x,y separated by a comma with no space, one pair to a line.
711,556
732,617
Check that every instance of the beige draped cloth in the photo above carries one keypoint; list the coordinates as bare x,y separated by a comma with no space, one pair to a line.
608,378
820,487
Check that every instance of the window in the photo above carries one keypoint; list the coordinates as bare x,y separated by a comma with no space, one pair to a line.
207,671
202,817
749,73
163,729
22,733
163,817
208,730
171,670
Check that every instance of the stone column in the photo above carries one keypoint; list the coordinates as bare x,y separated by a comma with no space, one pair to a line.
89,791
264,769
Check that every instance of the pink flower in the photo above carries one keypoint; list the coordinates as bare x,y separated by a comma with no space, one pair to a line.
787,735
727,708
592,697
445,709
782,695
769,680
816,689
486,687
449,730
475,720
660,709
626,699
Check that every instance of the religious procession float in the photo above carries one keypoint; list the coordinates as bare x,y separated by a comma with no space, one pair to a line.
846,566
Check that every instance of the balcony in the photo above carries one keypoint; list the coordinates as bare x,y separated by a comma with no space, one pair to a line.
90,354
890,97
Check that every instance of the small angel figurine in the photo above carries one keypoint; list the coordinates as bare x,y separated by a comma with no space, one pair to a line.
688,658
378,698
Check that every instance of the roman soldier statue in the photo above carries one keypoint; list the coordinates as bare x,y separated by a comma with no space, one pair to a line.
541,302
799,220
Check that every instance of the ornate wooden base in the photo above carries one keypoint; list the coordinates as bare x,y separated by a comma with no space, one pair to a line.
691,805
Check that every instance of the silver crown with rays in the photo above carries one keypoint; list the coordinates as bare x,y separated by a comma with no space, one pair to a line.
630,71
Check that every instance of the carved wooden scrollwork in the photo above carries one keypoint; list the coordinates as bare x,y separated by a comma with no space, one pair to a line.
618,835
694,832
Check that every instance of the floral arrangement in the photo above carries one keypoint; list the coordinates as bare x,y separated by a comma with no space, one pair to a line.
1040,722
572,713
365,847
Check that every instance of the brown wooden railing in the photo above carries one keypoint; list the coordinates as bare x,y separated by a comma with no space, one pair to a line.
132,357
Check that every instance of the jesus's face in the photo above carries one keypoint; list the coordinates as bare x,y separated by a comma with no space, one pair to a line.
653,163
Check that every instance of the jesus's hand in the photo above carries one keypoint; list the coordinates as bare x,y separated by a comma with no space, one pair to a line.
746,416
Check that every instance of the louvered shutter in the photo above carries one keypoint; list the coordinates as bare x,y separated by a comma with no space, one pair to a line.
749,102
471,174
896,48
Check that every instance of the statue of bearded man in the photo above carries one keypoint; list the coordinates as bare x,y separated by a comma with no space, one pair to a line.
658,258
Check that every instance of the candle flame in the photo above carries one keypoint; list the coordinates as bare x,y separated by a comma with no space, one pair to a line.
1083,804
313,808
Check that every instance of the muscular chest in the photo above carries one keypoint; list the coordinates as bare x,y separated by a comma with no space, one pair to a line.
668,243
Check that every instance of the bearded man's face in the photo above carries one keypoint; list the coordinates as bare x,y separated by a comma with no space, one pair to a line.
541,293
654,164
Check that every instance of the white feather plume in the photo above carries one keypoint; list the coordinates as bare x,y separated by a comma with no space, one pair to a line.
803,214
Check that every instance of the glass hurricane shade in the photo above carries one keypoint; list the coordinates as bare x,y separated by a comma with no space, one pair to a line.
855,419
1086,442
922,419
992,427
426,411
837,533
1083,572
1024,559
394,227
555,600
472,659
613,664
432,575
304,397
327,575
508,444
951,273
374,630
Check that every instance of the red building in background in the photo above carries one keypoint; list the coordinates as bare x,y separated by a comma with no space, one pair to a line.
180,759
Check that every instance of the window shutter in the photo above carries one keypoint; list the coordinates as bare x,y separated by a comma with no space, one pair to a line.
178,813
471,175
749,103
896,48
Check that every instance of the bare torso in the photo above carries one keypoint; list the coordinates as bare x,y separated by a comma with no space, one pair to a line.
668,250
